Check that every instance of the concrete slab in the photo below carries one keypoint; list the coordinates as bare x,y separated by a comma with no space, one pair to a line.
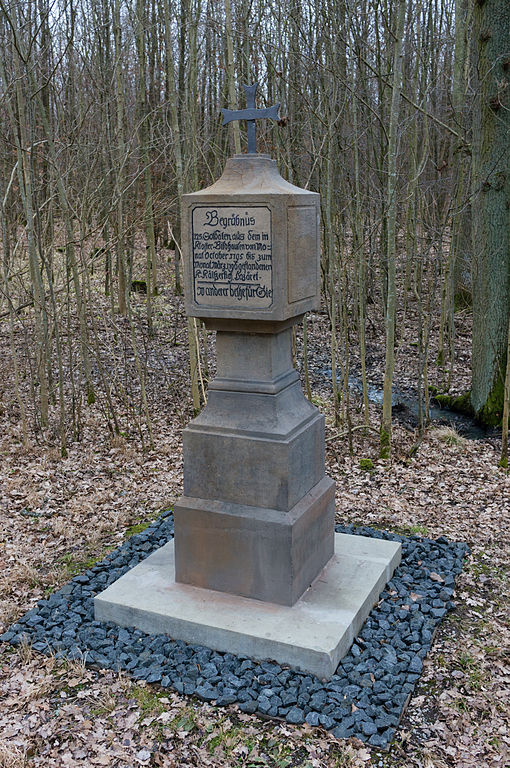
312,635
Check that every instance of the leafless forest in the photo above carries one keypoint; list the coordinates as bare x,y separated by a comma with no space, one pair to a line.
111,112
398,113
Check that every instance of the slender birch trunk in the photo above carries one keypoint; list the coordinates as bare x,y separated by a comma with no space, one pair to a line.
306,369
143,136
173,104
23,146
359,252
12,344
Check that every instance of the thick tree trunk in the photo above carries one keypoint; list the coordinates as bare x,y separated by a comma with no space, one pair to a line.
491,221
503,462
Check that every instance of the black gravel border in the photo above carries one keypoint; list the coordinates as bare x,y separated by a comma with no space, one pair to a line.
377,676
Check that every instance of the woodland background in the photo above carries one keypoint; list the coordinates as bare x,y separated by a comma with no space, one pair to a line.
397,112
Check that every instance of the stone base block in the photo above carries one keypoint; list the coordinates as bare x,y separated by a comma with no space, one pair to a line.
259,553
256,449
312,635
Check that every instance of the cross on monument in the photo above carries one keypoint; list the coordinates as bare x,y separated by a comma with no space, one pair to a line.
250,114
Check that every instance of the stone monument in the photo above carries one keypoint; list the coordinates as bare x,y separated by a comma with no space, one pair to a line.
255,567
257,515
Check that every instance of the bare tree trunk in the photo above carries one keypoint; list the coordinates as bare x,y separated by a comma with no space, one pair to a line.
14,355
503,462
122,287
359,250
25,185
491,232
194,351
391,298
173,104
233,98
308,389
143,126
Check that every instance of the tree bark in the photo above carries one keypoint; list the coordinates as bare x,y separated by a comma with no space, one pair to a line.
391,214
491,230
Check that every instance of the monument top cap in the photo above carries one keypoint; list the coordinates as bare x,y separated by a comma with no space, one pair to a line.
250,174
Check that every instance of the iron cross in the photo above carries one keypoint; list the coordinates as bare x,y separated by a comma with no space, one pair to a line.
250,115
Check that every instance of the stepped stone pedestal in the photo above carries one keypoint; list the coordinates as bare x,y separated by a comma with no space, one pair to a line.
255,568
257,515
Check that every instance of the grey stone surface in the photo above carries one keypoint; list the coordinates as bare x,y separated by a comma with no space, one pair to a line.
231,325
255,552
260,450
263,263
254,361
257,515
313,635
258,441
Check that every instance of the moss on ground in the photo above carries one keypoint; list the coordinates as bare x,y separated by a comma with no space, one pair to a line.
74,565
136,528
460,403
489,416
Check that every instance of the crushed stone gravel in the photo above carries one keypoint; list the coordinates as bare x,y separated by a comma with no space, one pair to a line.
365,697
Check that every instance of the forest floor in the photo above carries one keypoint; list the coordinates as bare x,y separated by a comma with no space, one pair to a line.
58,515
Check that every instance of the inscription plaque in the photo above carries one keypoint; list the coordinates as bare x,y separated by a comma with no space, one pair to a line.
232,250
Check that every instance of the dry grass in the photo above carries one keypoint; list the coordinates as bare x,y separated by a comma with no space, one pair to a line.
450,436
430,761
28,573
10,756
77,668
26,652
9,610
19,572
